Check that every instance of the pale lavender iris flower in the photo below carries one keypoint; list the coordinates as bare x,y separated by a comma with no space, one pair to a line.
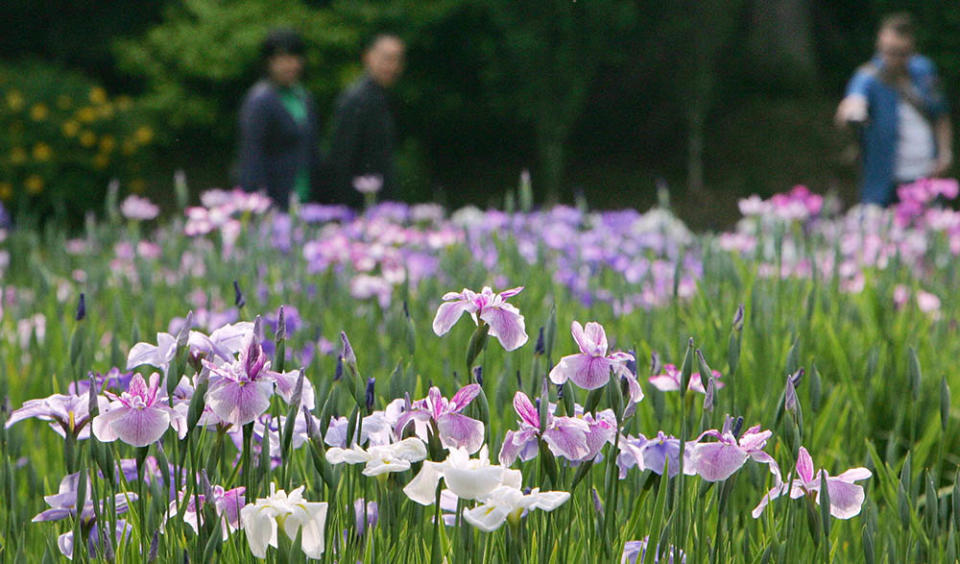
590,369
63,505
635,552
67,414
240,391
653,454
455,430
505,321
846,497
138,417
717,461
578,438
669,381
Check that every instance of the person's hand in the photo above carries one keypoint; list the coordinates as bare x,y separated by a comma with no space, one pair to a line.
852,109
944,162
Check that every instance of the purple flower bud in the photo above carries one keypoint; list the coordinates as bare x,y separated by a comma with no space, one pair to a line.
370,397
81,308
406,310
540,348
478,375
338,372
93,406
597,505
797,376
348,355
790,397
311,424
655,365
154,546
738,319
737,427
711,393
238,295
183,336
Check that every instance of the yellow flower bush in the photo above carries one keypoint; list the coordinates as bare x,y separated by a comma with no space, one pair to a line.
63,138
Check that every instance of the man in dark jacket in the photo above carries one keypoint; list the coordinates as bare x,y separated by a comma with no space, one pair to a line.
364,135
278,149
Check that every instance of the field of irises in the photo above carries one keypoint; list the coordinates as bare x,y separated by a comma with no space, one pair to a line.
408,384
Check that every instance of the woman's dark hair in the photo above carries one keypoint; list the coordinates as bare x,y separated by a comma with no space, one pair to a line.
282,41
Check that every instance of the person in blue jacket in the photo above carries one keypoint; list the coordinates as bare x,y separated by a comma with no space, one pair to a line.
896,102
278,149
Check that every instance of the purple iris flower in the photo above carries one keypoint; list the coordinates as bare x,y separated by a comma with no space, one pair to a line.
138,417
718,461
227,505
455,429
846,497
505,321
67,414
653,454
240,391
63,505
590,369
669,381
574,438
635,552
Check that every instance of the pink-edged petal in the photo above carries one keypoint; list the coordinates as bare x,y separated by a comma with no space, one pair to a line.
597,337
516,443
845,498
717,461
460,431
238,403
568,438
805,466
103,424
507,294
506,324
588,372
771,495
583,343
141,427
598,435
853,475
463,397
526,410
664,383
447,315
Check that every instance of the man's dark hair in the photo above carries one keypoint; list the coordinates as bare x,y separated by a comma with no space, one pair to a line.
282,41
900,23
372,41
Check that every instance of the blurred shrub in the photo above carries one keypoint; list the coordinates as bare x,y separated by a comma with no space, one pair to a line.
62,138
197,65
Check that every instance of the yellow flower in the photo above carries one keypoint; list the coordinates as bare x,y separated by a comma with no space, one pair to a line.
137,185
34,184
101,161
107,143
39,112
14,100
70,128
64,102
18,155
106,110
86,114
129,147
124,103
42,152
88,138
6,191
143,134
98,95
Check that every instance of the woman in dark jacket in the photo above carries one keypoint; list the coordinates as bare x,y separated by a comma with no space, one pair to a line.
278,149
